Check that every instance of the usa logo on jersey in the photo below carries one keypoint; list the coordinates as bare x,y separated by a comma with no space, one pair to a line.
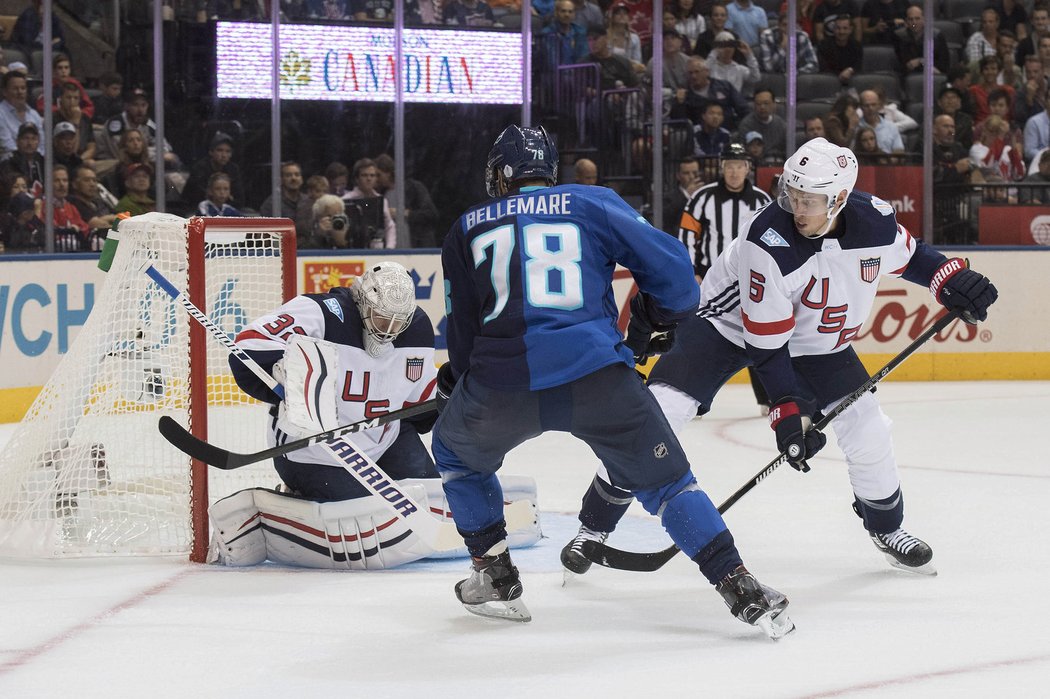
414,368
869,268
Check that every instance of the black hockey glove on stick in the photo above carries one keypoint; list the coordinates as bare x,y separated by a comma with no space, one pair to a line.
605,555
961,289
795,436
645,336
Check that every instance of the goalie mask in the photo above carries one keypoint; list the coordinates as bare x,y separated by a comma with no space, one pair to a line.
386,298
813,179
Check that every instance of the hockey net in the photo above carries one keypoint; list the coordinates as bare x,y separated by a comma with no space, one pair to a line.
86,473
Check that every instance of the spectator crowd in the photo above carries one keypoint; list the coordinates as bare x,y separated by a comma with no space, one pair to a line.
860,68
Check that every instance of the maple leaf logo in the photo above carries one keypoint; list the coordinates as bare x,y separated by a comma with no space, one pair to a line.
295,70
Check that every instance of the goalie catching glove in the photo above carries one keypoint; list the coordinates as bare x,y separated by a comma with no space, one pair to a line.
645,335
795,438
959,288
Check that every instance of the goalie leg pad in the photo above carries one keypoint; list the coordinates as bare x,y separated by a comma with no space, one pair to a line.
515,489
237,537
358,534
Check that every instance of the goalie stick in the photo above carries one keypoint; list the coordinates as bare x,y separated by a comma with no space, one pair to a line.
610,557
218,457
439,536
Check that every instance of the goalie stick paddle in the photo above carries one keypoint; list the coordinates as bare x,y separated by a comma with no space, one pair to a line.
605,555
218,457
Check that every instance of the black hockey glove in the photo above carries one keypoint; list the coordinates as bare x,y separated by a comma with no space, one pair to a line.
645,336
794,438
445,385
961,289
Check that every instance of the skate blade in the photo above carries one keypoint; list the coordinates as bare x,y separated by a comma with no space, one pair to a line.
776,626
924,569
567,577
514,610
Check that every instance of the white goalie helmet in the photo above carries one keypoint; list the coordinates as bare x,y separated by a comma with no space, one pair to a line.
814,176
386,298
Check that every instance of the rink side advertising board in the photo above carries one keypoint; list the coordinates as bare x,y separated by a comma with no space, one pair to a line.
341,63
45,301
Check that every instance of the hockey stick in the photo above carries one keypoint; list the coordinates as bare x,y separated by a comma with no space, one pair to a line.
610,557
218,457
215,330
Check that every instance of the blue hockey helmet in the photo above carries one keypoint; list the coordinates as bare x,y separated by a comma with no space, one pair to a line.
520,153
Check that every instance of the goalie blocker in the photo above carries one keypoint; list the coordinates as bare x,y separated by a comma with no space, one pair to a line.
256,525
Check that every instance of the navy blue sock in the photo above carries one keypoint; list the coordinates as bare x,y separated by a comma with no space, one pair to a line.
881,516
718,558
604,505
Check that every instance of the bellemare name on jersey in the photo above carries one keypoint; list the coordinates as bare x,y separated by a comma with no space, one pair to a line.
555,203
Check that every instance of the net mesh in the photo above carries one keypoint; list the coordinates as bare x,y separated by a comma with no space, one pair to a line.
87,473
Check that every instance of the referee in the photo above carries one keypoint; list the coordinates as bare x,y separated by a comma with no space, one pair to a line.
717,214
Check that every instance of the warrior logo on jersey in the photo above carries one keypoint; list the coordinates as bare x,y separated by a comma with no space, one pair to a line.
773,239
334,307
869,269
414,368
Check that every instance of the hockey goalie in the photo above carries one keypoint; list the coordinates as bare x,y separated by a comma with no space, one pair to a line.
344,356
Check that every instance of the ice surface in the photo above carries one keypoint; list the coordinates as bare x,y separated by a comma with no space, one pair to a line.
976,476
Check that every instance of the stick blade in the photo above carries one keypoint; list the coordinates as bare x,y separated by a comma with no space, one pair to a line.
181,439
610,557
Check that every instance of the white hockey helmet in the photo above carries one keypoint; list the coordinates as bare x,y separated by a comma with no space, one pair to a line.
386,298
817,168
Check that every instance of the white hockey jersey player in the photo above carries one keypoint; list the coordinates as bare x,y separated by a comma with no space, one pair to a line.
813,295
370,384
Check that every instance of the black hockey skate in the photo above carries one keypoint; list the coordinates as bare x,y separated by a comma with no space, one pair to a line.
572,555
905,551
755,604
494,589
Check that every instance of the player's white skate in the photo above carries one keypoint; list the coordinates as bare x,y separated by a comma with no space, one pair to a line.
905,551
572,557
494,587
755,603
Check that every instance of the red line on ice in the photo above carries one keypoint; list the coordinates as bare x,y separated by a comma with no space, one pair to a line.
30,654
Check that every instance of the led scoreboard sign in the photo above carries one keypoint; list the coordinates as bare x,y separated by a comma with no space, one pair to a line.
324,62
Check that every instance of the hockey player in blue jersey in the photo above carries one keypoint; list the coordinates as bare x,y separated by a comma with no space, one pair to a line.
533,347
788,299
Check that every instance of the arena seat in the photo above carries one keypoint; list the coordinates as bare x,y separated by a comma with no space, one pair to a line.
880,59
890,84
817,87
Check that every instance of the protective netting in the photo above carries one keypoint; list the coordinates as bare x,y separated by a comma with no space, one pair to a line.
87,473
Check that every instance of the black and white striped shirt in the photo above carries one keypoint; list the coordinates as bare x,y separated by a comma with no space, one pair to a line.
714,217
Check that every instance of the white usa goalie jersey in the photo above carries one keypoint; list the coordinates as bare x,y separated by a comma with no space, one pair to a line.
775,287
366,386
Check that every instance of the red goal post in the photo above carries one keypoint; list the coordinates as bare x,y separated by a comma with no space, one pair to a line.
201,382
